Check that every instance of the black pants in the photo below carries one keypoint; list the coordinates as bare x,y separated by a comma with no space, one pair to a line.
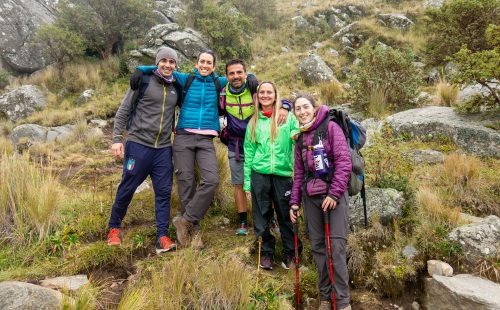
266,189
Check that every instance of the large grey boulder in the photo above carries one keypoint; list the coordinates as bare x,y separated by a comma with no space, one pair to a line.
22,102
26,296
468,92
479,240
386,202
70,283
395,21
434,121
28,134
314,70
461,292
436,4
187,42
169,11
19,20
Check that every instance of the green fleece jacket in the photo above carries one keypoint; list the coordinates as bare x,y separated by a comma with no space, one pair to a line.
269,158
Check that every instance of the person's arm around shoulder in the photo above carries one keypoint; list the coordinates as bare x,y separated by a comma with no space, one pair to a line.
121,119
285,108
294,128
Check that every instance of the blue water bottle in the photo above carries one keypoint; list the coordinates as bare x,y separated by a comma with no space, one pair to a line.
320,160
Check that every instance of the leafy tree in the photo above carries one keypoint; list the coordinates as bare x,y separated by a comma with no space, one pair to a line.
460,22
105,25
481,67
386,70
227,30
60,44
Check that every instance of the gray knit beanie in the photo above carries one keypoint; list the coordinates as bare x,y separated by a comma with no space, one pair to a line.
166,52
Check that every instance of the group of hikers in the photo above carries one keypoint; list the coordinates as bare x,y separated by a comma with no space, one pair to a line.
277,160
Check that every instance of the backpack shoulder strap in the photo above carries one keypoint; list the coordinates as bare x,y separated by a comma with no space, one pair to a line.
142,82
189,81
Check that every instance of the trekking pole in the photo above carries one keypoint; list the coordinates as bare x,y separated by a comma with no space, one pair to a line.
296,244
326,217
259,240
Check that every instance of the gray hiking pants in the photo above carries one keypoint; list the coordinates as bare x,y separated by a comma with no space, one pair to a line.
338,241
189,148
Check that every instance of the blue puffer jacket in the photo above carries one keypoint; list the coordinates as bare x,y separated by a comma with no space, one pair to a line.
200,106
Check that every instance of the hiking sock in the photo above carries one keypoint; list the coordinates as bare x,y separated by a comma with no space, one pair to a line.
243,217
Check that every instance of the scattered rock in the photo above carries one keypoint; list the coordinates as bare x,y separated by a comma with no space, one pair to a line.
450,70
387,202
437,267
59,133
434,121
436,4
461,292
415,306
468,92
85,96
333,52
19,295
347,29
479,240
433,76
300,22
314,70
395,21
373,127
225,221
425,156
71,283
19,21
168,11
28,133
285,49
424,98
335,22
99,123
409,251
22,102
144,186
316,45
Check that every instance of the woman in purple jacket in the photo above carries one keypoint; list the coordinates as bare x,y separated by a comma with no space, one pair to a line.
322,187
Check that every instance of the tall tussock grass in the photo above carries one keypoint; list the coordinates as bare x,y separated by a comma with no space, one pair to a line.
29,199
191,281
446,93
332,93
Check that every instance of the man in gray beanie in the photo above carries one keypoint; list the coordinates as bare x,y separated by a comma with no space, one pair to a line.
147,114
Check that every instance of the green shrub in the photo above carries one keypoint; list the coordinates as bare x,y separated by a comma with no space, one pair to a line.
228,32
389,71
460,22
263,12
4,79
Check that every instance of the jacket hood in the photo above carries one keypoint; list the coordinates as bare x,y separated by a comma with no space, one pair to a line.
321,114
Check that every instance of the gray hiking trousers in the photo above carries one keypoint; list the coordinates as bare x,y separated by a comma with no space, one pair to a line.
338,241
188,149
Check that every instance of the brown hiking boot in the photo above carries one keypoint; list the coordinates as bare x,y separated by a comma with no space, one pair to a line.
197,243
184,228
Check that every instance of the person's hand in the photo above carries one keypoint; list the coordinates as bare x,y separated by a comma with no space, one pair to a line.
249,195
328,203
282,116
117,150
294,213
295,136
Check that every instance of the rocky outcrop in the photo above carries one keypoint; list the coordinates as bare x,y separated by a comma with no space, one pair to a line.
169,11
314,70
434,122
22,102
300,22
461,292
19,20
395,21
19,295
386,202
71,283
85,96
187,42
27,134
479,240
468,92
340,16
345,30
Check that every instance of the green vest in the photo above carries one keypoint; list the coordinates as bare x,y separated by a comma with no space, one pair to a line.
241,105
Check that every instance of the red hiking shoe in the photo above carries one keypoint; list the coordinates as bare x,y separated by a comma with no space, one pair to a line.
164,244
114,237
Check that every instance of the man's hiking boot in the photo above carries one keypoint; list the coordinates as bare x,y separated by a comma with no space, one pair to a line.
325,305
164,244
197,243
114,237
184,228
242,230
266,262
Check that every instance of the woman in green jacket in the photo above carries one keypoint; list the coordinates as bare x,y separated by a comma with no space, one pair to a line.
268,173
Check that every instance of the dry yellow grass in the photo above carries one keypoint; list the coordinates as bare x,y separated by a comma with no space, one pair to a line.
332,93
377,103
446,93
433,209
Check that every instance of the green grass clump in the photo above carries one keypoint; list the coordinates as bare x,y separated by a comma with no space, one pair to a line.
98,255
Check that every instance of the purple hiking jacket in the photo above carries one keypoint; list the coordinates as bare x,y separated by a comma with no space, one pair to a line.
338,155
